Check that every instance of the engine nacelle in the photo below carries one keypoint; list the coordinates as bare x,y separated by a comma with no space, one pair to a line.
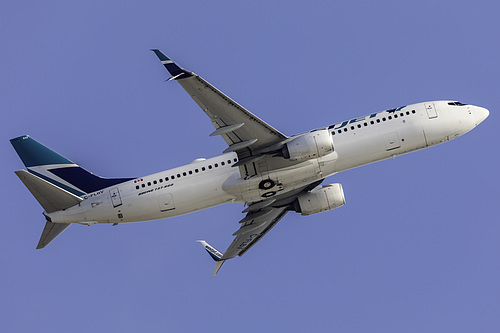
309,145
320,199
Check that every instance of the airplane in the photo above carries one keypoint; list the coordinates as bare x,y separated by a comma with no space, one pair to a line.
268,171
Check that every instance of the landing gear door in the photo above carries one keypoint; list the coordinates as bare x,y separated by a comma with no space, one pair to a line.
115,197
431,110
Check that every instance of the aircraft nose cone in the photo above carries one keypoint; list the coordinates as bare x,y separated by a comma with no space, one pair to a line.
481,114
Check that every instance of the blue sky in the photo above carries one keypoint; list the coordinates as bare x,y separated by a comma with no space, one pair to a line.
414,249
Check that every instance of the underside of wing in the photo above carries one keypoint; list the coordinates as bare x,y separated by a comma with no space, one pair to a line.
253,227
237,126
247,135
260,219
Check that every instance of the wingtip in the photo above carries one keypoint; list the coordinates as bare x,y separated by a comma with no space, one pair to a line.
218,265
212,251
160,55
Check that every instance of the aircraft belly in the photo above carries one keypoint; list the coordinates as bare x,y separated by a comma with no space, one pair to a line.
280,181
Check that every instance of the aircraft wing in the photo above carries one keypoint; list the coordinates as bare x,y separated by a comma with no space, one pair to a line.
254,226
260,219
244,132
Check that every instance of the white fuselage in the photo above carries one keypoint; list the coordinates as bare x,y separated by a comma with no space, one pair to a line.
207,183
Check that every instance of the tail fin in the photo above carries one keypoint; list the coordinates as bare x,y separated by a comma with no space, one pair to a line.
55,182
58,170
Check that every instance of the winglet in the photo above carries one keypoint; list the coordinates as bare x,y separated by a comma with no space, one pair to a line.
212,251
174,69
215,254
218,265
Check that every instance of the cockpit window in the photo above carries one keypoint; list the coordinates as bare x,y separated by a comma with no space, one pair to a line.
456,104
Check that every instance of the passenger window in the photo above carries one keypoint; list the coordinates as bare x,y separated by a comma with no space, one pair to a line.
173,177
359,125
161,180
383,119
407,113
178,175
210,167
390,117
137,187
413,111
340,131
222,163
143,185
196,170
184,174
401,114
345,129
235,159
378,120
203,169
155,182
352,127
372,122
166,179
149,183
216,165
190,172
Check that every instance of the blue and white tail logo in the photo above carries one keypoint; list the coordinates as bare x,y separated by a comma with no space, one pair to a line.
49,165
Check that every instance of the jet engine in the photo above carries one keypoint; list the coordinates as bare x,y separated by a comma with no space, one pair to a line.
309,145
320,199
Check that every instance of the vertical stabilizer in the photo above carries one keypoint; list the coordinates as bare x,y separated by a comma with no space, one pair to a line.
57,169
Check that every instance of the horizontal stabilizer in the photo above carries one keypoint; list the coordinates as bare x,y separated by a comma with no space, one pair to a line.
51,231
50,197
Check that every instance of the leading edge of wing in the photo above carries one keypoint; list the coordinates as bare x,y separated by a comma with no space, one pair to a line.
240,128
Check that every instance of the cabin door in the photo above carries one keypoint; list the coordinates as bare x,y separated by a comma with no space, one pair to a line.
115,197
431,110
